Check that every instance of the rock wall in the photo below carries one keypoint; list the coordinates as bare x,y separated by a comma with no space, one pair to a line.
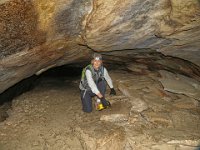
171,27
40,34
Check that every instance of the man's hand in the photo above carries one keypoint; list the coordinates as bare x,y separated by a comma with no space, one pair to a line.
112,91
99,95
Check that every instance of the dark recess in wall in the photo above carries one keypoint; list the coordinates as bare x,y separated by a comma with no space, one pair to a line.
19,88
63,71
31,82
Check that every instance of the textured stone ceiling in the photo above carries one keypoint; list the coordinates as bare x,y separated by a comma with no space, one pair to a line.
36,35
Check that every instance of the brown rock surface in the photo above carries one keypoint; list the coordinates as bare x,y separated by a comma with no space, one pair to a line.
134,36
50,117
38,35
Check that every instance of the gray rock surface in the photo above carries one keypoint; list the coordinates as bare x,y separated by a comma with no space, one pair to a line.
180,84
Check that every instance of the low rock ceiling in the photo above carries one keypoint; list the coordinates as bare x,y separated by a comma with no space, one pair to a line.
36,35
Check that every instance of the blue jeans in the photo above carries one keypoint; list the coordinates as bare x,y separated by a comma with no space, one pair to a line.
86,96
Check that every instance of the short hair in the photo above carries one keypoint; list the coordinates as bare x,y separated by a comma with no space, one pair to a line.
97,56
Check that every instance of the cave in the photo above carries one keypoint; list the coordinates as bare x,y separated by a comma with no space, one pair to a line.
151,50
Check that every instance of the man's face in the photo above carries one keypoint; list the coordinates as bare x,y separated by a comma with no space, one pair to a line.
97,64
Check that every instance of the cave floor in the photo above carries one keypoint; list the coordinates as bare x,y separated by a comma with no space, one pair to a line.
143,116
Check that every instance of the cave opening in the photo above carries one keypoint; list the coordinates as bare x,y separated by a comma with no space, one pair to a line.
60,76
70,72
59,73
145,61
150,48
53,100
56,76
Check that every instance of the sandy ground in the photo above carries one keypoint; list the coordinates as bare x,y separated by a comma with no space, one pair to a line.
45,117
50,117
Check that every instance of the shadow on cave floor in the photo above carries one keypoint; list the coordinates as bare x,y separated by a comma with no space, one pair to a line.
143,115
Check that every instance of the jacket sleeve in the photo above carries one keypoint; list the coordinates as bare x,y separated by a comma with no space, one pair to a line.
91,83
108,79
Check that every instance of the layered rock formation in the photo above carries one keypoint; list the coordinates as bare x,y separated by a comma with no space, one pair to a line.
38,35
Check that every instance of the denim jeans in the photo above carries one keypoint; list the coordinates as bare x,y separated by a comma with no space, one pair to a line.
86,96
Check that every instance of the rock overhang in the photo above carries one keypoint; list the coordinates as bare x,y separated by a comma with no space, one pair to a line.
38,35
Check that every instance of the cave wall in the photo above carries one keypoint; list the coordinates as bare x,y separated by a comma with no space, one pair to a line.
41,34
168,26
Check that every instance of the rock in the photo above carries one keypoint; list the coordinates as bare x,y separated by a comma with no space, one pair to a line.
138,105
184,147
50,117
154,25
158,118
164,147
134,118
114,118
180,84
182,119
3,111
45,34
185,102
138,68
119,113
109,137
193,143
157,103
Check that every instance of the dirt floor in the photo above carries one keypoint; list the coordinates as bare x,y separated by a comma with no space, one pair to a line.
143,116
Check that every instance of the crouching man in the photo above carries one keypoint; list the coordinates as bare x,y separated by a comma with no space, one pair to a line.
93,83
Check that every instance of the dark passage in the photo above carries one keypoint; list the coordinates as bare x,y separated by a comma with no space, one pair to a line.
58,73
63,71
143,63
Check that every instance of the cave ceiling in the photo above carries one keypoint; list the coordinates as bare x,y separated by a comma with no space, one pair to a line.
36,35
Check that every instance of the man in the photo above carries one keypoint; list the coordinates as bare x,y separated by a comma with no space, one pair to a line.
93,83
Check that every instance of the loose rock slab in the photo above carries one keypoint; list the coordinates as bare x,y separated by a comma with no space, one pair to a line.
180,84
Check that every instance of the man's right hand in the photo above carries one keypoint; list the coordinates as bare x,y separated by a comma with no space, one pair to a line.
99,95
112,91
